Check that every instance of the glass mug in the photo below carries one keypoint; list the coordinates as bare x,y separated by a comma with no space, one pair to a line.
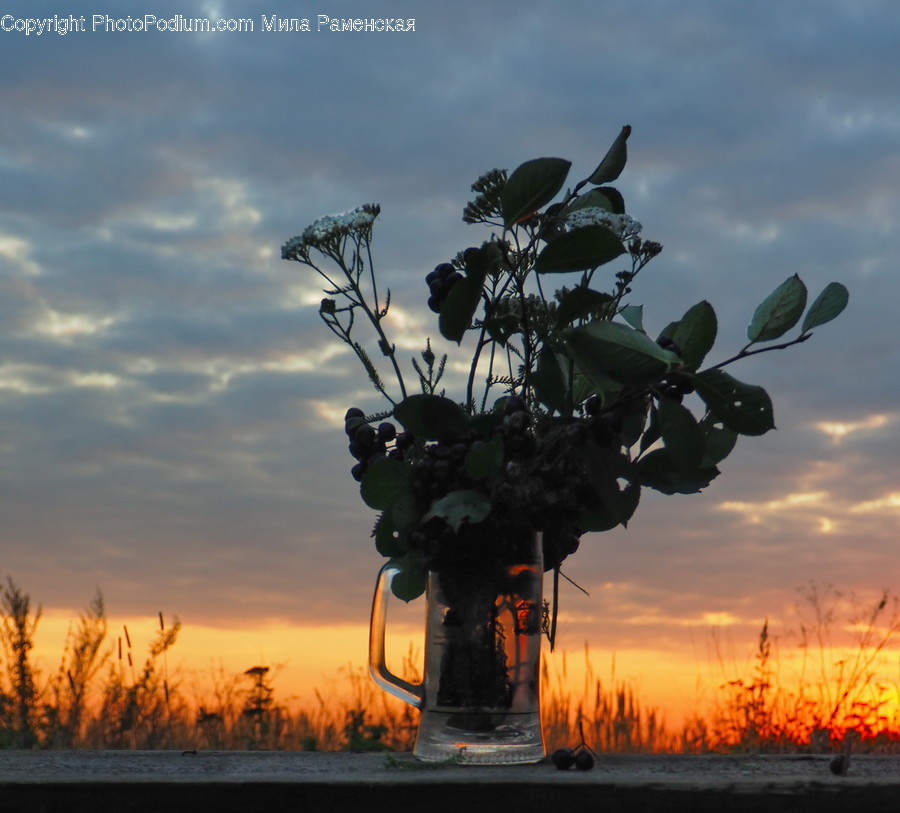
480,697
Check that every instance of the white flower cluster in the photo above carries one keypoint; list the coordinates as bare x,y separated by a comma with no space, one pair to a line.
331,227
624,226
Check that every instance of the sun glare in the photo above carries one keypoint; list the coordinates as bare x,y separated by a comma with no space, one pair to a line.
756,512
837,431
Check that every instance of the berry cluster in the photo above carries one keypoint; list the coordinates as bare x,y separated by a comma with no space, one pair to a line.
581,756
368,443
543,480
675,387
518,442
439,282
441,469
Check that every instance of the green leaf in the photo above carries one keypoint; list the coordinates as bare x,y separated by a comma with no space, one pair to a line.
610,350
387,542
409,583
431,417
579,303
612,479
743,408
405,513
615,198
718,440
604,197
660,472
695,334
485,423
531,186
461,303
501,327
549,381
779,311
606,517
634,420
634,315
485,460
827,306
459,507
668,331
458,309
383,483
583,388
614,161
681,434
579,250
488,259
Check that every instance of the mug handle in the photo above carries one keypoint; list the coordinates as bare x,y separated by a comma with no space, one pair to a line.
412,693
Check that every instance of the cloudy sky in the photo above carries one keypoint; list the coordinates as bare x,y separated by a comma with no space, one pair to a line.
168,395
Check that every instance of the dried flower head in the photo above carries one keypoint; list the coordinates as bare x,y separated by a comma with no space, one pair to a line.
487,205
624,226
331,228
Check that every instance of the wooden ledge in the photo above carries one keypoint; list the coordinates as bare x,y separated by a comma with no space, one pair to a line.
248,782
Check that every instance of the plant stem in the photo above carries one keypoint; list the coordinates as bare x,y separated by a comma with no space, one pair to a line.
744,353
375,319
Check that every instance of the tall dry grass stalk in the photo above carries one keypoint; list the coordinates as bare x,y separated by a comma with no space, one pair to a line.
611,718
834,691
100,698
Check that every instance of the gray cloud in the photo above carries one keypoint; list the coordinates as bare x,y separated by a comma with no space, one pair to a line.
162,389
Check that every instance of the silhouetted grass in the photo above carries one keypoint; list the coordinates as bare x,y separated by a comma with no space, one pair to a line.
105,696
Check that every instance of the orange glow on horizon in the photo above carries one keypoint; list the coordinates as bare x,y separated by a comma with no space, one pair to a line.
309,663
326,664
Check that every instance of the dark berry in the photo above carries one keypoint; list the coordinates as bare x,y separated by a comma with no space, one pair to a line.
666,343
442,470
514,404
434,304
354,418
516,421
358,471
387,431
458,452
365,436
563,759
515,444
584,760
674,394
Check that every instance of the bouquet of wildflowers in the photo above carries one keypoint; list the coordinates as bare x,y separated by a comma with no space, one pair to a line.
571,405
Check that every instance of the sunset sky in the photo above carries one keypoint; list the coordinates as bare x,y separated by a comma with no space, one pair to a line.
171,405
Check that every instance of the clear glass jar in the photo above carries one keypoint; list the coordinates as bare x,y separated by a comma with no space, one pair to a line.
480,697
